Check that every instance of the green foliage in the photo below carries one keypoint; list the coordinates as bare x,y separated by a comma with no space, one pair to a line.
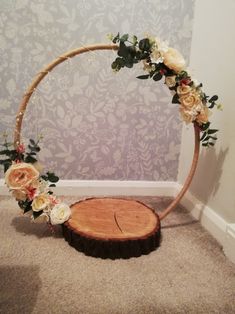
175,99
207,138
25,205
37,214
51,177
12,154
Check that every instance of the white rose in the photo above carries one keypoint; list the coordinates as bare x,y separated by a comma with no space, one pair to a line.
41,202
60,213
174,60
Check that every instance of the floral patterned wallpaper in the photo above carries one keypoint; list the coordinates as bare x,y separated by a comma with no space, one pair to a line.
96,124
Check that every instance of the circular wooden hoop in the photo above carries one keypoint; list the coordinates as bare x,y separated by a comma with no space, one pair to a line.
70,54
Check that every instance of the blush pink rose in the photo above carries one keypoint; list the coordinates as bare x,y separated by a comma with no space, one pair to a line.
20,176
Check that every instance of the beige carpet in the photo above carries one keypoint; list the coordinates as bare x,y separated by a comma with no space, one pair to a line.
40,273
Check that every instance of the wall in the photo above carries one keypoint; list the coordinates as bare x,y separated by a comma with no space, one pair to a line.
96,125
212,62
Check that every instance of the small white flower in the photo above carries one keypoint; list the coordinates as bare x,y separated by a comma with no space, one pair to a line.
60,213
43,186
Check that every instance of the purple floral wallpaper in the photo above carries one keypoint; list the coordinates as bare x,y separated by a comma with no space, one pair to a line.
96,124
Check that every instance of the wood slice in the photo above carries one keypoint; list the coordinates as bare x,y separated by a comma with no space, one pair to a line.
112,228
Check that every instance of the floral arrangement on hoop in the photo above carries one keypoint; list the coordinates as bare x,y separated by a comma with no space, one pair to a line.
161,61
31,189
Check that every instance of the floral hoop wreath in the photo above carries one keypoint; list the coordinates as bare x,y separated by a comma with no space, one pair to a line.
33,190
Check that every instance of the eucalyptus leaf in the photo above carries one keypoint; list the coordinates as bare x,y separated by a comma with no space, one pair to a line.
213,98
212,131
143,77
157,76
175,99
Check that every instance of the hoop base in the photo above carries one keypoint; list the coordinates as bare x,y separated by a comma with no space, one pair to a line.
112,228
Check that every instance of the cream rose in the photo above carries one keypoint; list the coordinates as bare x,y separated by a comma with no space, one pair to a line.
190,100
183,90
174,60
170,81
202,117
187,115
41,202
20,176
60,213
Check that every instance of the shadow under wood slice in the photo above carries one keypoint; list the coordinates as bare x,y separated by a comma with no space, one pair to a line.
112,228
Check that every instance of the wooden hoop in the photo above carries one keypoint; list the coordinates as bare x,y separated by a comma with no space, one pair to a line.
70,54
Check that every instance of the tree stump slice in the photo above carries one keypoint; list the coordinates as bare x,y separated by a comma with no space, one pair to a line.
112,228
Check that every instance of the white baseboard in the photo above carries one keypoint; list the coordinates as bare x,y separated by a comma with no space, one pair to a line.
109,188
210,220
114,188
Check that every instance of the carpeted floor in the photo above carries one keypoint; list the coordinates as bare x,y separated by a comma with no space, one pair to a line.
40,273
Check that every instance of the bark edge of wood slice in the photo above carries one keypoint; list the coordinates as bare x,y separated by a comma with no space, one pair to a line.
112,228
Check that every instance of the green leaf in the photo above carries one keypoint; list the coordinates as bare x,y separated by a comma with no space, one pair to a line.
212,131
6,166
116,38
115,66
37,214
30,159
157,76
143,77
175,99
206,139
144,44
123,50
203,136
4,152
32,142
213,98
52,177
134,40
205,144
124,38
213,138
120,62
212,105
141,55
25,205
34,148
205,126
